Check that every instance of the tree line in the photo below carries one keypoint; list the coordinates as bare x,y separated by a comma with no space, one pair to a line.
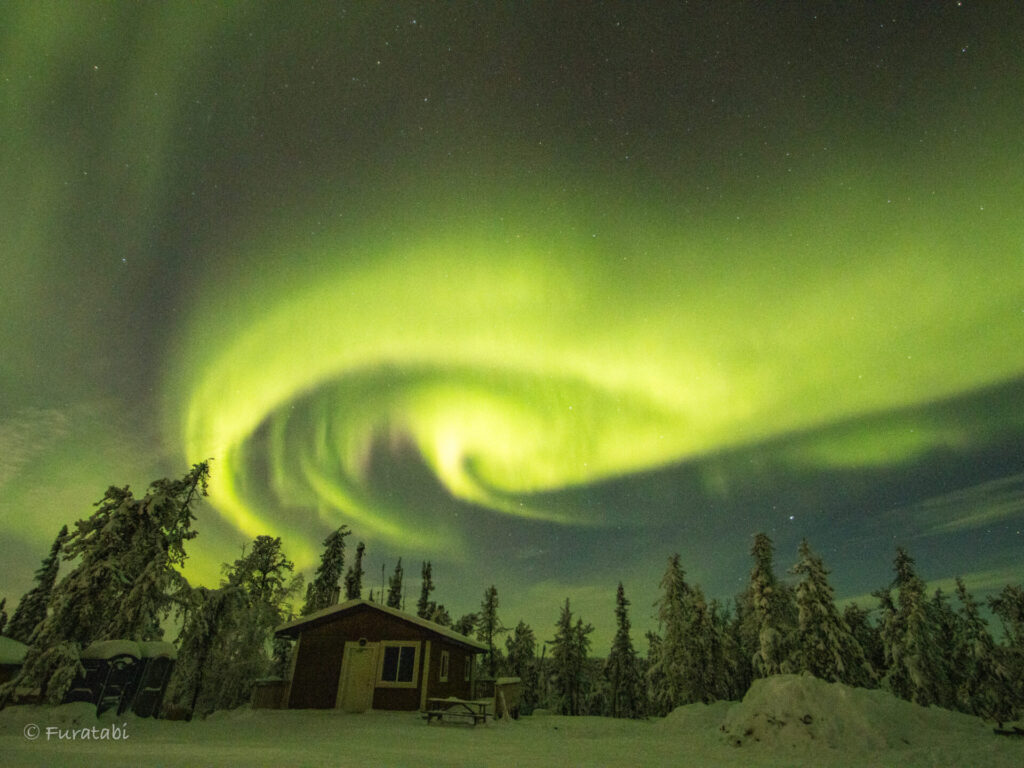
920,647
125,583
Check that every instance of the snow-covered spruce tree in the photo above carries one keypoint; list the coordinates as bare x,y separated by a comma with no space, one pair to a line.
488,627
711,670
913,670
654,675
690,663
1008,605
322,592
772,613
206,635
867,635
622,668
354,575
229,633
395,587
738,654
950,652
125,582
32,607
425,606
986,688
521,662
825,646
668,664
569,652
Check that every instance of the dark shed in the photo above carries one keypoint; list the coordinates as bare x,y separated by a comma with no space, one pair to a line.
360,655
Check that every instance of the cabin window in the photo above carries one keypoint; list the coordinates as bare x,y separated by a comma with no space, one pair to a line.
442,673
399,663
467,668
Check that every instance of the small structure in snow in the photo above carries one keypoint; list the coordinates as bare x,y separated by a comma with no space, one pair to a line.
124,674
12,656
360,655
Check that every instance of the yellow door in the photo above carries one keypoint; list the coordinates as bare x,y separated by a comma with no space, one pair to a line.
358,676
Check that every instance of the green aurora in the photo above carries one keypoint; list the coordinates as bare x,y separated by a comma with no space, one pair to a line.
541,313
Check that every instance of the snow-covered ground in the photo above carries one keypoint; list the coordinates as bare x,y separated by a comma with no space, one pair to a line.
783,721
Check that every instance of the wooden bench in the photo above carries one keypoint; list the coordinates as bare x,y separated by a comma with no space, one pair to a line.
456,709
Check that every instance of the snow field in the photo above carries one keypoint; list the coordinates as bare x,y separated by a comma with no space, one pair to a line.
786,720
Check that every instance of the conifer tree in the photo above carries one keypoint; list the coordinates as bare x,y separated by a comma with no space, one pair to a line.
521,659
1008,606
466,624
425,607
736,666
908,636
323,590
125,582
689,664
439,615
771,611
654,675
226,632
31,608
867,635
950,651
707,668
825,646
621,669
986,688
354,576
208,621
395,587
488,627
667,669
569,651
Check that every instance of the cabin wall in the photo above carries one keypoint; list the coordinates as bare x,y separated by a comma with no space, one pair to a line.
456,685
314,683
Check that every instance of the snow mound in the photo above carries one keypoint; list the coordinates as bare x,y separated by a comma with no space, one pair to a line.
803,712
696,718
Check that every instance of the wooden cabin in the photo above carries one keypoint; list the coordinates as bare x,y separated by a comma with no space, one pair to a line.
359,655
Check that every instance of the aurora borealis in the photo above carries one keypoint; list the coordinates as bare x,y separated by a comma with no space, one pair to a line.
540,293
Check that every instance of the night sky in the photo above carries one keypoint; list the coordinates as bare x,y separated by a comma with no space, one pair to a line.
540,292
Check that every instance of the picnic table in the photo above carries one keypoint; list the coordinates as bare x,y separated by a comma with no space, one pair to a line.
458,709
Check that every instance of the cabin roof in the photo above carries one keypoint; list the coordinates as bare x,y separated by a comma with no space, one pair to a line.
294,627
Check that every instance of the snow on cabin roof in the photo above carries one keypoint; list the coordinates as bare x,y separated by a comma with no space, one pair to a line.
108,649
318,616
153,649
12,653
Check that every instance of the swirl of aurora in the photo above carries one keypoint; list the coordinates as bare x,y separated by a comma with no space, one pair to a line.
553,351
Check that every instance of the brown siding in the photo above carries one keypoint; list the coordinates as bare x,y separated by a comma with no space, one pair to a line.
456,685
396,698
317,668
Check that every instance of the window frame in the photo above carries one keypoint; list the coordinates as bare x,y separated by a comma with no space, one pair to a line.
467,668
445,667
384,645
